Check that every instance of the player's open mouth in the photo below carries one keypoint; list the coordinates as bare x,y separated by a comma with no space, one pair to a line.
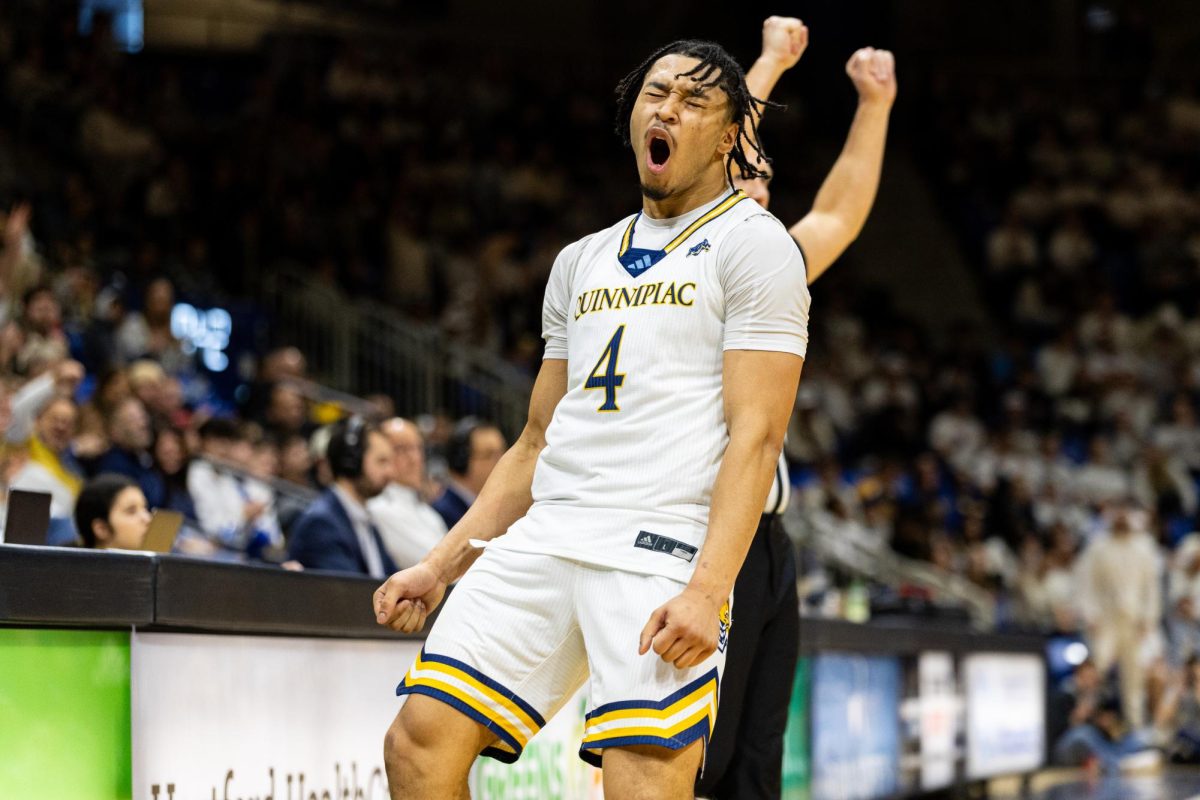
658,150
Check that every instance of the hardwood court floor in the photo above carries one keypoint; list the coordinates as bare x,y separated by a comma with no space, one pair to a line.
1172,783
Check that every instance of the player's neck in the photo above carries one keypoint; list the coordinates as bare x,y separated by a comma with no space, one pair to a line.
700,193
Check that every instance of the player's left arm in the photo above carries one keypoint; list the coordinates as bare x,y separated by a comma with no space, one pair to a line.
766,333
845,198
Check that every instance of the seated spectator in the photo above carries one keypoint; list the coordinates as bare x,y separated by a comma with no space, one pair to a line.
44,420
229,512
147,334
409,526
296,461
1179,716
471,454
112,388
172,460
129,452
43,341
1183,594
111,513
50,467
287,411
336,532
1096,729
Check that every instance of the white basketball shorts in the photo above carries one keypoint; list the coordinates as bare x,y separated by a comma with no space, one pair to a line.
521,632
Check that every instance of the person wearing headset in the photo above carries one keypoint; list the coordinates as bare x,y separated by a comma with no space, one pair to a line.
471,454
336,532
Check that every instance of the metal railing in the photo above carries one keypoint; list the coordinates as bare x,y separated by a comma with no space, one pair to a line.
845,546
365,348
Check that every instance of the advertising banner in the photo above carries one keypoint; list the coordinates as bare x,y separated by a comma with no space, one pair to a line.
64,714
1006,713
796,768
549,766
855,727
224,717
931,715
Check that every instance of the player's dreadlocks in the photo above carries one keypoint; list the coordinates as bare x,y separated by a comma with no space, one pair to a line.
716,68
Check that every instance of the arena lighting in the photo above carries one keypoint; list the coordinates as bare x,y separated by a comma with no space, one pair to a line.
1075,653
126,21
206,331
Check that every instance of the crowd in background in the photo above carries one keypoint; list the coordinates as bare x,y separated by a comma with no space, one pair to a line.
1057,468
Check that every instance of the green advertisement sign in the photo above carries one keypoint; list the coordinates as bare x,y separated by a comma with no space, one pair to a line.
796,767
64,714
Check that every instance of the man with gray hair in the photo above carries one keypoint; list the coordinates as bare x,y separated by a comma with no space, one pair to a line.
408,525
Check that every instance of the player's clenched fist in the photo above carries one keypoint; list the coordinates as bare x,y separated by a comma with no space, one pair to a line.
784,40
874,74
406,599
683,632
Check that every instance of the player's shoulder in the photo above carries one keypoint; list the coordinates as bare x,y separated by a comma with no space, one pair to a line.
752,222
756,232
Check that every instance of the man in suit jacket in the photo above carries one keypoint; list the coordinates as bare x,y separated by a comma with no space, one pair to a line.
471,455
336,532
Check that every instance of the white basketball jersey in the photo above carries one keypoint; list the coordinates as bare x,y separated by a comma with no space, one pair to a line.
634,446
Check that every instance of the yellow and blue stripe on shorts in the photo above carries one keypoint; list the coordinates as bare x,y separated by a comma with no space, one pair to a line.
479,697
674,722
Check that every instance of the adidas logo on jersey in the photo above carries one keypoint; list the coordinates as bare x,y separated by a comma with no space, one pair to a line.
662,544
703,247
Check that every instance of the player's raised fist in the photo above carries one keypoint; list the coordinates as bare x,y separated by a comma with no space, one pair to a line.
406,599
874,74
783,41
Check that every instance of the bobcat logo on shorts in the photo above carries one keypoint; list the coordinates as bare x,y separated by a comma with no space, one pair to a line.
723,634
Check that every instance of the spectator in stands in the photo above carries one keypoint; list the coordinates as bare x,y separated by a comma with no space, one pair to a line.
130,437
111,513
287,411
282,364
43,422
336,532
147,333
1179,715
296,461
42,340
1121,603
1183,594
50,466
471,455
1095,728
408,525
230,513
112,388
172,461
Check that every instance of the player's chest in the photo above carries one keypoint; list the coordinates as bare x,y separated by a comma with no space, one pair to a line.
680,292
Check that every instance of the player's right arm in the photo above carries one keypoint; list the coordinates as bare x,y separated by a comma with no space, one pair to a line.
407,598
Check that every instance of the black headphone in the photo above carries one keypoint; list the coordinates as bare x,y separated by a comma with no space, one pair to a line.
347,446
458,448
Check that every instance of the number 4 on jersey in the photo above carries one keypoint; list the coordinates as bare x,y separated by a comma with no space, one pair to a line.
604,374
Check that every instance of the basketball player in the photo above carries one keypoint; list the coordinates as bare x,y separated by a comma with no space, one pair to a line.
745,758
615,526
